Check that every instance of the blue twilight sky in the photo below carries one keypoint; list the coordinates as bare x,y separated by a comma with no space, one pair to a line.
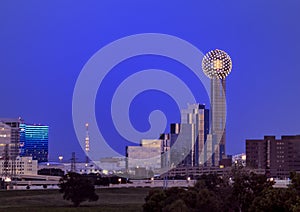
45,44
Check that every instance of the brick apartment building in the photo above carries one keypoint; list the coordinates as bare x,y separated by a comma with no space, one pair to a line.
277,157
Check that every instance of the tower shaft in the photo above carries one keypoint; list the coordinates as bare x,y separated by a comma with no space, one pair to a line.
218,117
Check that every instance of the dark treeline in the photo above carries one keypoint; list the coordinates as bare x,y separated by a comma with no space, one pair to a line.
95,178
98,179
240,191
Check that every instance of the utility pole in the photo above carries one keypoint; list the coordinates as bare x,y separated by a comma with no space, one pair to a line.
73,162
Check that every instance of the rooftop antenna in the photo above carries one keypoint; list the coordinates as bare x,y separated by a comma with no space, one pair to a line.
87,143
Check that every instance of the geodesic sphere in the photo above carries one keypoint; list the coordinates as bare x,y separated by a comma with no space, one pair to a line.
216,64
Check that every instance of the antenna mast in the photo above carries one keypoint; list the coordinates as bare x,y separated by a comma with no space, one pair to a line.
87,143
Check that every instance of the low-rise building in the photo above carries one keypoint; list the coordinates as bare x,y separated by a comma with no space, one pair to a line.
111,164
278,157
9,138
147,155
20,166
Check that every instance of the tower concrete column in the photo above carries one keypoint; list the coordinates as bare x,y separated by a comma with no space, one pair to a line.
217,65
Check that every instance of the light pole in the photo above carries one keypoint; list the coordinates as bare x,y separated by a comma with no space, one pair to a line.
60,158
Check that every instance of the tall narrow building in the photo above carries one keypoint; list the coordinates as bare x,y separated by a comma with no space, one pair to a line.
197,116
190,137
217,65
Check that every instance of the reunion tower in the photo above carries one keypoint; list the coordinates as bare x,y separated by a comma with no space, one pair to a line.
217,65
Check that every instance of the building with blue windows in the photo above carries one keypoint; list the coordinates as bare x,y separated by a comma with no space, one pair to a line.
34,141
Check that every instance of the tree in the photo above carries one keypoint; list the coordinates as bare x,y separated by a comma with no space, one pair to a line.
274,199
279,199
295,184
154,201
211,182
213,192
207,195
77,188
2,184
241,191
177,206
246,187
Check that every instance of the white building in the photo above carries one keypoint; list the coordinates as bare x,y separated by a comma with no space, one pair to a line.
20,166
112,164
148,155
9,138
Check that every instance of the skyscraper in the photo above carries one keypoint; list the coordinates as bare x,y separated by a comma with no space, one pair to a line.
190,136
217,65
197,116
34,141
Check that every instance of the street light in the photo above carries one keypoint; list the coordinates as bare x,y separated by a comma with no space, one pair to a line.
152,180
7,180
60,158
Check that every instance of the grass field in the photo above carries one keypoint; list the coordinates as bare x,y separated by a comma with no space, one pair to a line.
110,199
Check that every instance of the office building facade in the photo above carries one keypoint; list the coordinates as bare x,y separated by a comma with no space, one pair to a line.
21,166
9,138
188,139
34,141
277,157
147,155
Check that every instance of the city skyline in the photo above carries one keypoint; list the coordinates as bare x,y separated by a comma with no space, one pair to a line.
44,47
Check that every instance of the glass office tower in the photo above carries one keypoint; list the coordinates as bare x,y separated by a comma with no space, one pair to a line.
34,141
193,131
